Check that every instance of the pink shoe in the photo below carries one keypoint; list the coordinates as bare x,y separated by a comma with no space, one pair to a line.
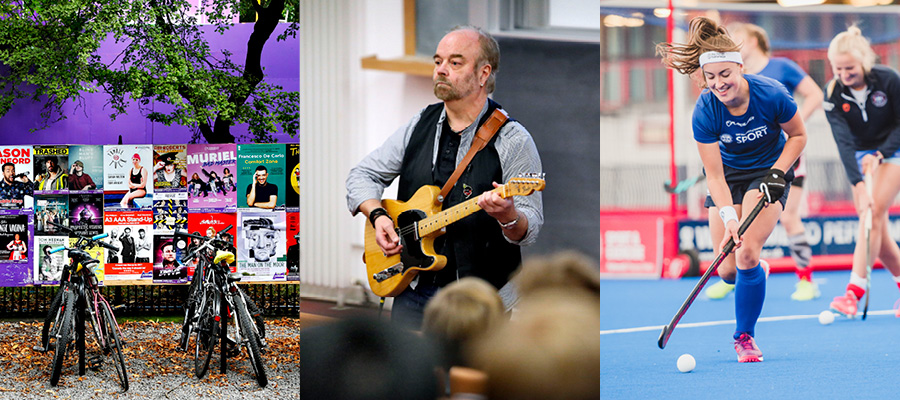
845,304
746,349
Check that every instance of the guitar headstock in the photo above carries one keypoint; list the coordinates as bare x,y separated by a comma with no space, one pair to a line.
524,185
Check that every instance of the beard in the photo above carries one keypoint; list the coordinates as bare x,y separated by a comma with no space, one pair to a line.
450,92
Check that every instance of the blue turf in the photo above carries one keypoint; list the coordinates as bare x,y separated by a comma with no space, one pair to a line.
803,359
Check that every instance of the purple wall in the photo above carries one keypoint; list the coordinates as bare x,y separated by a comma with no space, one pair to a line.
90,123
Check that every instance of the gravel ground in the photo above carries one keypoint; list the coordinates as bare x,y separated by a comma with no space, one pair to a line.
156,370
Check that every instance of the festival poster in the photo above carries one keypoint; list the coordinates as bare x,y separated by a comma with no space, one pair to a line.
261,246
16,250
211,177
166,265
293,246
97,252
132,233
86,210
17,186
168,215
85,168
292,183
207,224
49,267
261,176
51,209
128,177
169,168
51,173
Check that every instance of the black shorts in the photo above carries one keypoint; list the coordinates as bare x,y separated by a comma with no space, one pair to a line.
741,181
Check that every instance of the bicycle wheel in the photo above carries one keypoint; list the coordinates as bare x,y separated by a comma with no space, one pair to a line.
64,334
251,339
255,313
50,322
206,332
190,307
110,329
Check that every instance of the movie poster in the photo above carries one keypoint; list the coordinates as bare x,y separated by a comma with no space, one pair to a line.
85,168
167,267
49,266
128,177
169,168
211,177
132,233
16,250
292,183
168,215
261,176
207,224
293,246
17,186
97,252
51,173
261,246
86,211
51,209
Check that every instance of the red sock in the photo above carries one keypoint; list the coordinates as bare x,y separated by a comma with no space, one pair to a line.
805,274
858,291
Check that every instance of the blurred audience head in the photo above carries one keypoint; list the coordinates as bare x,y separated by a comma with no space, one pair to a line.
567,270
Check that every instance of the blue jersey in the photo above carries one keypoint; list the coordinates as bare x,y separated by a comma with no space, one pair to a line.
785,71
753,140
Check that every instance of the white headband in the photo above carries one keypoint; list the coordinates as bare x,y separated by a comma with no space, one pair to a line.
715,56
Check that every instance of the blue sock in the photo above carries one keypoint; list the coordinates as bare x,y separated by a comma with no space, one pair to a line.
730,282
749,294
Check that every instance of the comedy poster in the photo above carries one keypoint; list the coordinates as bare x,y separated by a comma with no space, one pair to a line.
16,249
97,252
261,246
292,181
17,186
169,215
86,213
51,174
167,267
169,169
85,168
128,177
50,209
132,233
261,176
49,266
208,224
211,177
293,246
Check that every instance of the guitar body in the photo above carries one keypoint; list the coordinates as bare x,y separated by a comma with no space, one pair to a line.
388,276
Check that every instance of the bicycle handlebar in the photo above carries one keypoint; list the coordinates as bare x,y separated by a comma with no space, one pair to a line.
90,240
206,240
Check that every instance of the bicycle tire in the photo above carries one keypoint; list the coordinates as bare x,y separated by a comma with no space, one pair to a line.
114,343
255,313
64,336
190,307
207,332
252,341
53,315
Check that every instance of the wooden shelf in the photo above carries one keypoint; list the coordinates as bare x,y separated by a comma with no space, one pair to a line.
413,65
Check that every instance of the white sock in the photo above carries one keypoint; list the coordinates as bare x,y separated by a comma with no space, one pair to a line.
857,280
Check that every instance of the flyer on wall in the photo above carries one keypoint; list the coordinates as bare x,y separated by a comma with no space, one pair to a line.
51,173
49,267
17,186
168,215
96,252
86,213
292,181
16,250
169,168
51,209
261,176
127,177
166,265
211,177
261,246
293,246
132,233
207,224
86,168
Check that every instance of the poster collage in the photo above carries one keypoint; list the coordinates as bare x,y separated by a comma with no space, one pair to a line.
139,195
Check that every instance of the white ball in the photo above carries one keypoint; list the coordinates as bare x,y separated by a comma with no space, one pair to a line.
826,317
686,363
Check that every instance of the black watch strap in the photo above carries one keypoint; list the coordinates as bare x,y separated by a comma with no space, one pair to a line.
374,214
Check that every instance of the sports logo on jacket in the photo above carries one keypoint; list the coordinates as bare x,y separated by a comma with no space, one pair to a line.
726,138
879,99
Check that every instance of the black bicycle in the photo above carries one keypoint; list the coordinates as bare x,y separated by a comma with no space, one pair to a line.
213,298
79,291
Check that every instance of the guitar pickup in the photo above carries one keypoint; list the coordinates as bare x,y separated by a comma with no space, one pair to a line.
389,272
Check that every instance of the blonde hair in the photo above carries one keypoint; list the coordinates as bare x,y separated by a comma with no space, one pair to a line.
704,35
566,270
852,42
754,31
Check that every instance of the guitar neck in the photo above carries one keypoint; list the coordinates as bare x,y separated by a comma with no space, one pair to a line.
440,220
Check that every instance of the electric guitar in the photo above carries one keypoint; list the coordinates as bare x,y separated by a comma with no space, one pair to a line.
418,222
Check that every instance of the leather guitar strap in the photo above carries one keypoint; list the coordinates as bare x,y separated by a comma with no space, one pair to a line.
481,139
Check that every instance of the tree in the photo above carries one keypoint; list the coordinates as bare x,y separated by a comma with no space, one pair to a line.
48,52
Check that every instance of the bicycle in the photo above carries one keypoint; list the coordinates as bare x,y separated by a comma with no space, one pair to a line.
80,292
214,296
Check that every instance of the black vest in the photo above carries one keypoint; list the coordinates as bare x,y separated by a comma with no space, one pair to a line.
475,245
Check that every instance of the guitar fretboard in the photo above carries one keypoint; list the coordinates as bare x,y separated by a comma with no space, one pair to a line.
438,221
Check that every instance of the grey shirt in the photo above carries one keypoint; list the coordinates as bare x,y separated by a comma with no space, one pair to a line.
515,147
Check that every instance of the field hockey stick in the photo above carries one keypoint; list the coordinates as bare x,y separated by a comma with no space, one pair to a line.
869,261
684,185
667,330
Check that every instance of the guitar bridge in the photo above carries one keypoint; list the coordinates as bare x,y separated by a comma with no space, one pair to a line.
389,272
